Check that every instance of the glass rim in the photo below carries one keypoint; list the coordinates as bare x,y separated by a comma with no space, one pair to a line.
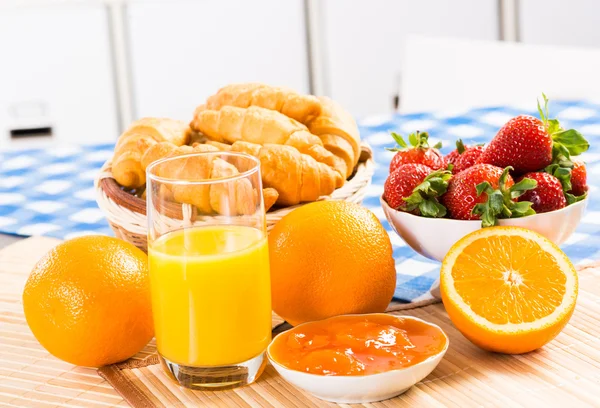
151,176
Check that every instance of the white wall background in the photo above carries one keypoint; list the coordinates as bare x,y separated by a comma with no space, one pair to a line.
364,42
184,51
55,70
560,22
85,66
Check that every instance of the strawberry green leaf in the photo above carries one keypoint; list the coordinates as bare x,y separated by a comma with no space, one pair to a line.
481,187
565,142
521,187
554,126
540,110
563,174
399,139
572,140
504,177
500,202
560,153
441,210
492,208
522,209
432,209
543,112
460,146
416,140
572,199
419,139
425,195
562,161
438,145
413,139
496,200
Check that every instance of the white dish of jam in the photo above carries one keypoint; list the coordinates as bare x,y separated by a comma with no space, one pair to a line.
358,358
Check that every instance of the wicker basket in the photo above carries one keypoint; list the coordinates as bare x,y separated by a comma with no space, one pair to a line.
126,213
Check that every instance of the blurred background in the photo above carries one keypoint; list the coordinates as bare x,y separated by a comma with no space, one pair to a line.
80,71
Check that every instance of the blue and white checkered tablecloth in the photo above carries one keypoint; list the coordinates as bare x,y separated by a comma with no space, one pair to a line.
50,192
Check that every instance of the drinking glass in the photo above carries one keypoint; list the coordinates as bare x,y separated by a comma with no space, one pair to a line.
209,268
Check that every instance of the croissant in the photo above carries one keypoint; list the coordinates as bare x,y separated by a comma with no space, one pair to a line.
287,101
234,197
338,131
262,126
325,118
126,166
297,177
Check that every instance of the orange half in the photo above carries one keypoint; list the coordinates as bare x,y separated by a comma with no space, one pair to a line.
508,289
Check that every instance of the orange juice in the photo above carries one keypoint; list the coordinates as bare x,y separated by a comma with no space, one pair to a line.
211,294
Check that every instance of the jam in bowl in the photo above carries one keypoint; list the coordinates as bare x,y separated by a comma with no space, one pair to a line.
358,358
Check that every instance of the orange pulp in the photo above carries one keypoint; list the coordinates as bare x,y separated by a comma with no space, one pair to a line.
357,345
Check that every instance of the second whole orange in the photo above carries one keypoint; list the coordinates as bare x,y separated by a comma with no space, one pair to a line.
330,258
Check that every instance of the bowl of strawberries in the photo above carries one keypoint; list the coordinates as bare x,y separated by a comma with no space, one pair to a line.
527,176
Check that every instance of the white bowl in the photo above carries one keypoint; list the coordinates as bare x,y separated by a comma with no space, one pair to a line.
356,389
433,237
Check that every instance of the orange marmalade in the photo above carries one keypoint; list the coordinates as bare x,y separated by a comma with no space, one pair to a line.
357,345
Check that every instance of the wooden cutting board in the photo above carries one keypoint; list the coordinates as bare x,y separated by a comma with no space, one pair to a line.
564,373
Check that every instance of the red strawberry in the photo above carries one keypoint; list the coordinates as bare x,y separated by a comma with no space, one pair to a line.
529,144
401,183
415,188
572,177
485,192
418,153
454,154
462,192
578,179
523,143
547,196
467,159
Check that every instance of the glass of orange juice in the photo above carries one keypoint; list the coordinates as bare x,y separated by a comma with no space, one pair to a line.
209,268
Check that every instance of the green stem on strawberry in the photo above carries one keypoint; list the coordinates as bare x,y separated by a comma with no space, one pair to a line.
399,141
563,174
565,143
416,140
460,146
500,204
425,195
571,199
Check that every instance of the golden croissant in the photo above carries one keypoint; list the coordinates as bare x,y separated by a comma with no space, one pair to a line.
126,165
234,197
262,126
307,146
326,119
338,131
297,177
287,101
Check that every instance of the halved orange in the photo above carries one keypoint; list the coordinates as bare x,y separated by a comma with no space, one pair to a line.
508,289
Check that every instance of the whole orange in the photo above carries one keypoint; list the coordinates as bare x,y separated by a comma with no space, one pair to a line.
88,301
330,258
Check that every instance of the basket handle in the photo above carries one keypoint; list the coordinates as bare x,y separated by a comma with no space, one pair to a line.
366,153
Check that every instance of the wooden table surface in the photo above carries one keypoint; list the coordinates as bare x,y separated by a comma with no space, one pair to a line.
6,239
29,375
566,372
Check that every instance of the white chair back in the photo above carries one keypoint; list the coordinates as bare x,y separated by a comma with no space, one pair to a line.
443,74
